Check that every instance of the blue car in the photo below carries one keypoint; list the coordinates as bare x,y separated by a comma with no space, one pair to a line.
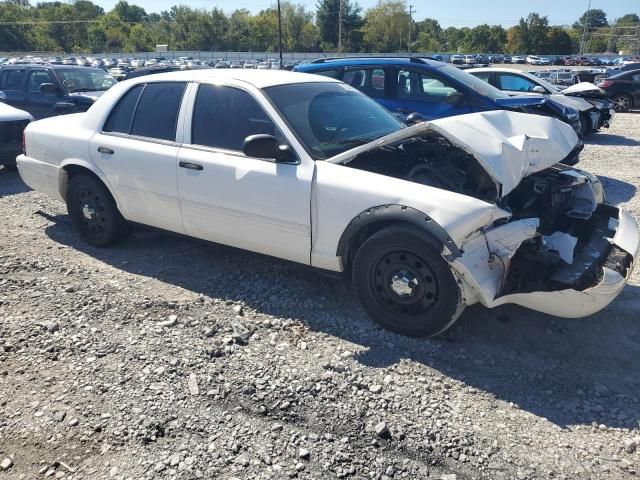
430,88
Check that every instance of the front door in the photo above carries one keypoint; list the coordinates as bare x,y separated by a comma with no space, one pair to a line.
137,152
40,104
432,97
227,197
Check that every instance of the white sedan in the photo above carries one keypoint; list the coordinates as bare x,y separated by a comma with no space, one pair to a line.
425,220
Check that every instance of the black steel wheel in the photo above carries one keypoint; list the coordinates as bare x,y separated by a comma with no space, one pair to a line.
94,213
404,283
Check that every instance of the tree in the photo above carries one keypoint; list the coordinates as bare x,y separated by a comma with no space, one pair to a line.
139,39
596,19
533,33
386,27
628,19
558,41
430,37
327,19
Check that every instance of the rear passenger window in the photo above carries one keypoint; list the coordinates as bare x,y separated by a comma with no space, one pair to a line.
157,112
368,80
121,116
11,79
224,116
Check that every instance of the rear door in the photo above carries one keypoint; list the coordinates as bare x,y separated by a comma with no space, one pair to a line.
137,150
430,95
12,82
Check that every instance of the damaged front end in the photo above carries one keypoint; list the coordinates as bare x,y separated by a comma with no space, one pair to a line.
555,247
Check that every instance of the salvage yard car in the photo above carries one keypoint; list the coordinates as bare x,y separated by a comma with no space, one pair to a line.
12,124
425,219
596,110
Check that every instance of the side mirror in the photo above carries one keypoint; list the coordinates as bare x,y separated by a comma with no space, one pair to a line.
48,88
455,98
414,118
3,96
538,89
267,147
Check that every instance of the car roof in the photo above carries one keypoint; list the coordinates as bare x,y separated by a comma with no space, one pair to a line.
44,65
417,61
259,79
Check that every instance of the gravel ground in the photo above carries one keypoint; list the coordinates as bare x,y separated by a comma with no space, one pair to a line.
168,358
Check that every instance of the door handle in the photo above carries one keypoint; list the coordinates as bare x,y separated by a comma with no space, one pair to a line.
191,166
106,150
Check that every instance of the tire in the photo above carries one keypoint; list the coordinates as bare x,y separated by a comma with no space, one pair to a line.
94,213
585,124
404,284
622,102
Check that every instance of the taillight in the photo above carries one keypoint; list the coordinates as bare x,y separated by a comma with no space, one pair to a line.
605,83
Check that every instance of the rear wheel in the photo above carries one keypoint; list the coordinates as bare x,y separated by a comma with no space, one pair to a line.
622,102
404,284
94,213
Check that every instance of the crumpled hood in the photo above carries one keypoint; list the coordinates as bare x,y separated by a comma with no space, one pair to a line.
508,145
91,95
584,89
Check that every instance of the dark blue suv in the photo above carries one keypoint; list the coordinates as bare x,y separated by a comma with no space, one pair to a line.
47,90
431,88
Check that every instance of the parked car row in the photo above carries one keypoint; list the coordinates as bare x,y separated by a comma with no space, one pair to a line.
595,109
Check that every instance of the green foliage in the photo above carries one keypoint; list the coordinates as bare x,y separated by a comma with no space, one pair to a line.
327,15
596,19
82,26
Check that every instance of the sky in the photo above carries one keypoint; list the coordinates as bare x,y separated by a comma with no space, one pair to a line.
458,13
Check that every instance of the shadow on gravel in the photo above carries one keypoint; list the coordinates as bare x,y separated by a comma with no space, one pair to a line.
617,190
612,140
10,183
571,372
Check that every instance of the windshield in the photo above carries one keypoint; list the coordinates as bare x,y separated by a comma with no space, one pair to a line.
330,118
476,84
85,79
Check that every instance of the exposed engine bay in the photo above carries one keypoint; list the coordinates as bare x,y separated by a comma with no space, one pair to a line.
430,159
568,247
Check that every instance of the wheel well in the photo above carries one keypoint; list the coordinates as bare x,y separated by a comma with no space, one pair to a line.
375,219
70,172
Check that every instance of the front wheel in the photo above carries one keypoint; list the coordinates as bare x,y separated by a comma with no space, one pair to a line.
622,102
404,283
94,213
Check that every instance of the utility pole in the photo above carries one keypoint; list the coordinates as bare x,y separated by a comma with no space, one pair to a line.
584,30
410,22
280,34
340,27
610,43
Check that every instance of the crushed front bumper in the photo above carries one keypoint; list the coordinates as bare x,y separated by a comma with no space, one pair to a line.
615,265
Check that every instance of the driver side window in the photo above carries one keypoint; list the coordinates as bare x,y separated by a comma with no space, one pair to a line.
514,83
424,87
224,116
37,78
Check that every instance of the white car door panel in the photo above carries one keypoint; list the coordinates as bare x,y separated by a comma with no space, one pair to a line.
143,173
247,203
229,198
137,151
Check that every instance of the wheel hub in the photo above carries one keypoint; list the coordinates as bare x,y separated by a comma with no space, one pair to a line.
404,283
88,211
